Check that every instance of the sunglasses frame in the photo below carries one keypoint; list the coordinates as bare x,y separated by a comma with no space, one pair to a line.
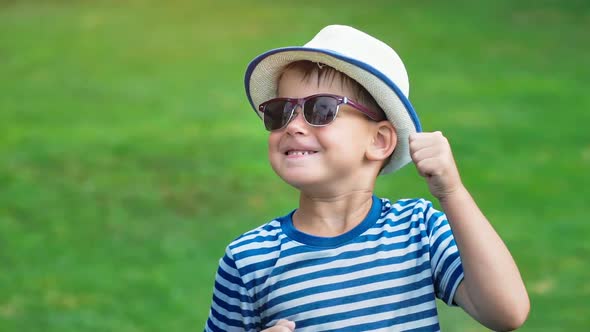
301,103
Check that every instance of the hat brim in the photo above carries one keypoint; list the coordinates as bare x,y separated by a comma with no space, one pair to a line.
263,72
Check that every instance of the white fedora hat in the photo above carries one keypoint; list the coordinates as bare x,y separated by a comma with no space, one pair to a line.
367,60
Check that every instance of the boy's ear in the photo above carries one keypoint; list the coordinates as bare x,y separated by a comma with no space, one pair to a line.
383,141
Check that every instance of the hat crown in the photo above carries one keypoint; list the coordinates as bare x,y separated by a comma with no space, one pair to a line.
358,45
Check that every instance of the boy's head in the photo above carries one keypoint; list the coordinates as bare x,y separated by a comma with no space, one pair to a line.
340,61
325,129
303,78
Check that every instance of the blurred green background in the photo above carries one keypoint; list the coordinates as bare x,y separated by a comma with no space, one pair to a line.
129,156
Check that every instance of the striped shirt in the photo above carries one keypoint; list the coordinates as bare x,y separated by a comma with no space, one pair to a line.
383,275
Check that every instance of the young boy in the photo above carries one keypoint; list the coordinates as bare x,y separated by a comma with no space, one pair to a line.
344,260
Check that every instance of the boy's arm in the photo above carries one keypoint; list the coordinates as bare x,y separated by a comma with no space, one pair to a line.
492,291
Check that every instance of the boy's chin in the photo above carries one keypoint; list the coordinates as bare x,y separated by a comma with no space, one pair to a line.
314,187
297,182
302,182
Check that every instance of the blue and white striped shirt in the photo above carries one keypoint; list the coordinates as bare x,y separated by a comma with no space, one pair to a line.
383,275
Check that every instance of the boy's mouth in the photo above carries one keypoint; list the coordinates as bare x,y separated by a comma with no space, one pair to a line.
299,152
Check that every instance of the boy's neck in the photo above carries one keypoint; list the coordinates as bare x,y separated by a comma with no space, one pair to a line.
330,216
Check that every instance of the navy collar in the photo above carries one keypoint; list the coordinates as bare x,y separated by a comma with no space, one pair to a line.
330,242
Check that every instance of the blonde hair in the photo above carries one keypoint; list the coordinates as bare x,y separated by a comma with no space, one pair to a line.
327,73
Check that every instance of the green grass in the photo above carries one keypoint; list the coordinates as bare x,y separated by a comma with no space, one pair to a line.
129,156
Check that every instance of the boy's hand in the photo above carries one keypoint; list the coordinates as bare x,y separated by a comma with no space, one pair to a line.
282,325
434,160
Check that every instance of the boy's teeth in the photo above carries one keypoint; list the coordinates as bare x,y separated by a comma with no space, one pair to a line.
299,153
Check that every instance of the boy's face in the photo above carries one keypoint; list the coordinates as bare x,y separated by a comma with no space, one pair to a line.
318,158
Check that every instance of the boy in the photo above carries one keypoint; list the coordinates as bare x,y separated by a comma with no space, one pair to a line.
345,260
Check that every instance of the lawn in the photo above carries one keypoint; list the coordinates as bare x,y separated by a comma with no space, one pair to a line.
129,156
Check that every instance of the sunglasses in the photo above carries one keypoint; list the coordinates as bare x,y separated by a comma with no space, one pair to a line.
318,110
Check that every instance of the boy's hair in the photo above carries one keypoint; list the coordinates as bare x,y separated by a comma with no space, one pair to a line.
327,73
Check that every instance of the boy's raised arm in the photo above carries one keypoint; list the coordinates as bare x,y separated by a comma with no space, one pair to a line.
493,291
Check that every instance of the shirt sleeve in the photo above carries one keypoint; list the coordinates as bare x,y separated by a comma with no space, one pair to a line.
444,255
232,308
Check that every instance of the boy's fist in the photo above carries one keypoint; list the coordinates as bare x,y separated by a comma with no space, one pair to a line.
282,325
434,161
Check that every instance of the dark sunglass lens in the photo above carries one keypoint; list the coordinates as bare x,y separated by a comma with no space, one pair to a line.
277,114
321,110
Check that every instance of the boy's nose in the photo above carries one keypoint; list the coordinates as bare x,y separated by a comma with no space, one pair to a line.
297,123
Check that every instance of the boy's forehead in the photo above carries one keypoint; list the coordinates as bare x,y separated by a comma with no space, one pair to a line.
295,83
